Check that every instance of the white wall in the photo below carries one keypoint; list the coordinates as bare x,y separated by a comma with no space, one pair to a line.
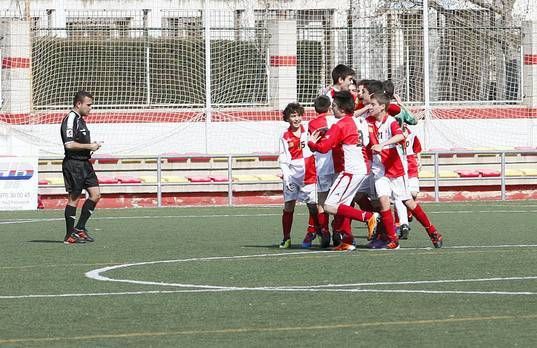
262,136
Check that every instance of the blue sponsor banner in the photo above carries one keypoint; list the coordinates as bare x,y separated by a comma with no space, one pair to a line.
18,183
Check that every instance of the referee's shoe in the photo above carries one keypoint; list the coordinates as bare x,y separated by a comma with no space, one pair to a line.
73,238
82,233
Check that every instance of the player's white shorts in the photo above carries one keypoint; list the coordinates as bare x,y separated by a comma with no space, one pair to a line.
394,188
302,193
367,186
344,188
414,185
324,182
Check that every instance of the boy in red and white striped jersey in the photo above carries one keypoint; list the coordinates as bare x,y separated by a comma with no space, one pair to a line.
342,80
324,165
298,169
412,149
346,139
389,169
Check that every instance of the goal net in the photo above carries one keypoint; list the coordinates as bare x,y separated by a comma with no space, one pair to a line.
160,86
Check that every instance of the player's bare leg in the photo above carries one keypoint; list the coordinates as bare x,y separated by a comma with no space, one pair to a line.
419,214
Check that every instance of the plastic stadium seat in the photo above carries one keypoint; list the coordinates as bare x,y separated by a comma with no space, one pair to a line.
267,157
441,149
42,182
106,159
514,172
131,161
175,179
128,180
458,152
196,178
148,179
55,181
426,174
219,159
107,180
468,173
489,173
245,177
529,171
524,150
196,157
485,149
245,159
447,174
268,177
175,157
218,178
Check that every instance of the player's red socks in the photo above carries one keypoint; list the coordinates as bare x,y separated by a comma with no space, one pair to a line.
420,215
352,213
287,223
387,220
323,221
311,224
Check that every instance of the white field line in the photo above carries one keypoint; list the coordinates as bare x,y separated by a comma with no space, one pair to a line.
97,274
23,221
224,289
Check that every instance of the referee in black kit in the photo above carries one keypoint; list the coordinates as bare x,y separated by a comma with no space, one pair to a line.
78,173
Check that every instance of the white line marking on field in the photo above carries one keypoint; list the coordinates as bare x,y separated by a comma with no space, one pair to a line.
224,289
24,221
97,274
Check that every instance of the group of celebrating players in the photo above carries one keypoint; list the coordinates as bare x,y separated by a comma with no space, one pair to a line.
357,150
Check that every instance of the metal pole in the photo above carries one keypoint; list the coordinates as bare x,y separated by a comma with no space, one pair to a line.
436,178
350,48
426,96
407,78
208,106
502,169
521,75
146,43
230,182
148,77
159,183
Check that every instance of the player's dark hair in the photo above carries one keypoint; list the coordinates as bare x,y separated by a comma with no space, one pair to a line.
80,95
365,83
341,71
382,99
321,104
378,87
344,101
290,109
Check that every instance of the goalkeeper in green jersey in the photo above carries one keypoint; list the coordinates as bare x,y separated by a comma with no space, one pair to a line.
405,116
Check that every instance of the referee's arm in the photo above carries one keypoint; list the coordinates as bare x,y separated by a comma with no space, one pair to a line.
73,145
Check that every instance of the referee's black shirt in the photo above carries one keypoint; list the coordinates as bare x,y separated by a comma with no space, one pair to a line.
74,129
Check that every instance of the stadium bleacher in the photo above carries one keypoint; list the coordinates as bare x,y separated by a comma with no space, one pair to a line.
182,173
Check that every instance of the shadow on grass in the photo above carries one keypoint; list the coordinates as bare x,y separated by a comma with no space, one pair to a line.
44,241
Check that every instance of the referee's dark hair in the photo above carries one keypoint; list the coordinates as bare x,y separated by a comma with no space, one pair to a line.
80,95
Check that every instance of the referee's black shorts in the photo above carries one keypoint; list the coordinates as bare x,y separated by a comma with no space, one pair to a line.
78,175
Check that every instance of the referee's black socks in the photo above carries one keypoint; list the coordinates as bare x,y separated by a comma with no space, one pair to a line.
70,217
87,210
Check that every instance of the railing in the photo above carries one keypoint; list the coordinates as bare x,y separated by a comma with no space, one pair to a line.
503,168
226,164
